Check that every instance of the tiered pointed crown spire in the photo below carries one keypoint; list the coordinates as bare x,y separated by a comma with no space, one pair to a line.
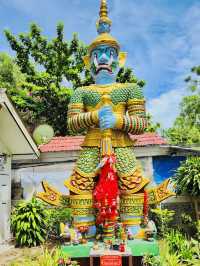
103,14
104,37
103,29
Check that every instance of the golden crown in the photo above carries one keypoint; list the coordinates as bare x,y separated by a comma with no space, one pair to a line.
104,37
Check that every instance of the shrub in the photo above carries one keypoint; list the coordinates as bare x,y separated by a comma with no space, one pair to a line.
187,177
29,222
162,218
58,215
187,226
45,257
188,250
151,261
175,250
164,259
175,240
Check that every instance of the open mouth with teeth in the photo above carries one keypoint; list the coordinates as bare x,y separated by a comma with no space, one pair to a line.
107,65
103,67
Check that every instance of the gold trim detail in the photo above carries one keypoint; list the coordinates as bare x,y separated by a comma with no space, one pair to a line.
131,200
50,195
136,101
75,105
88,196
141,185
86,60
95,117
119,121
119,139
133,174
161,192
104,38
119,108
74,189
107,88
132,222
83,212
77,224
84,174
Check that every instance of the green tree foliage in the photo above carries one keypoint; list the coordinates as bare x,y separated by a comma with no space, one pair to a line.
11,77
49,68
49,62
29,221
35,104
152,127
126,75
186,128
187,177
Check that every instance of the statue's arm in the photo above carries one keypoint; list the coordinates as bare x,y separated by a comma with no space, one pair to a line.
78,119
134,121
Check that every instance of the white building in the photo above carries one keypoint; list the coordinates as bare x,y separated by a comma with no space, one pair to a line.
15,144
58,158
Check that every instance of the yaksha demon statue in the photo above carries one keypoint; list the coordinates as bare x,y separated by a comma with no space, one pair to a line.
117,109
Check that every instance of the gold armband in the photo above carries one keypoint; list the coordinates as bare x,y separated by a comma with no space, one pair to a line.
95,117
119,121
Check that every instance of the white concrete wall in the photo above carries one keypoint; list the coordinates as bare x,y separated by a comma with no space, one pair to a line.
31,177
147,167
56,174
5,200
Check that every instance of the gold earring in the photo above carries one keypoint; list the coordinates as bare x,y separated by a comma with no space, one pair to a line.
122,59
86,60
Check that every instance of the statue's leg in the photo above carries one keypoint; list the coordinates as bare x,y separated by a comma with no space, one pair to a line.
131,183
129,171
82,180
81,184
83,213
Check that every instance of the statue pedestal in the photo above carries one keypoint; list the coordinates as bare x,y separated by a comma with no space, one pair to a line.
137,248
108,256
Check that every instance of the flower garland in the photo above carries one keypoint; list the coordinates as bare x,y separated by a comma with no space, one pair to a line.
106,191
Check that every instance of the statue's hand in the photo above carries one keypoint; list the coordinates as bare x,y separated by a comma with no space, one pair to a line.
107,119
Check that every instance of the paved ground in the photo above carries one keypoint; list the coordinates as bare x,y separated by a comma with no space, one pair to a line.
5,247
9,253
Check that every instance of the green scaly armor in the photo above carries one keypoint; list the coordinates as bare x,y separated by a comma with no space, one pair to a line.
83,114
84,98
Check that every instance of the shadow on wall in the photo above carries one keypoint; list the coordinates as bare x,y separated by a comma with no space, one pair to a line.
165,166
31,177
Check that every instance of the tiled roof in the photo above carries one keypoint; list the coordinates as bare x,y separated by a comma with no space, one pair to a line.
73,143
148,139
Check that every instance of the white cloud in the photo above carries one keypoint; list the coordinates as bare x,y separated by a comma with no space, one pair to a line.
162,40
165,108
165,45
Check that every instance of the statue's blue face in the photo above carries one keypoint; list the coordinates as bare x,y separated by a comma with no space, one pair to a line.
104,64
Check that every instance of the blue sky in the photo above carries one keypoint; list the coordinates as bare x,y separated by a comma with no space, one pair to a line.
161,37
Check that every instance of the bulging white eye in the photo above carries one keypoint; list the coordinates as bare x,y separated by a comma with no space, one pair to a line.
95,60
